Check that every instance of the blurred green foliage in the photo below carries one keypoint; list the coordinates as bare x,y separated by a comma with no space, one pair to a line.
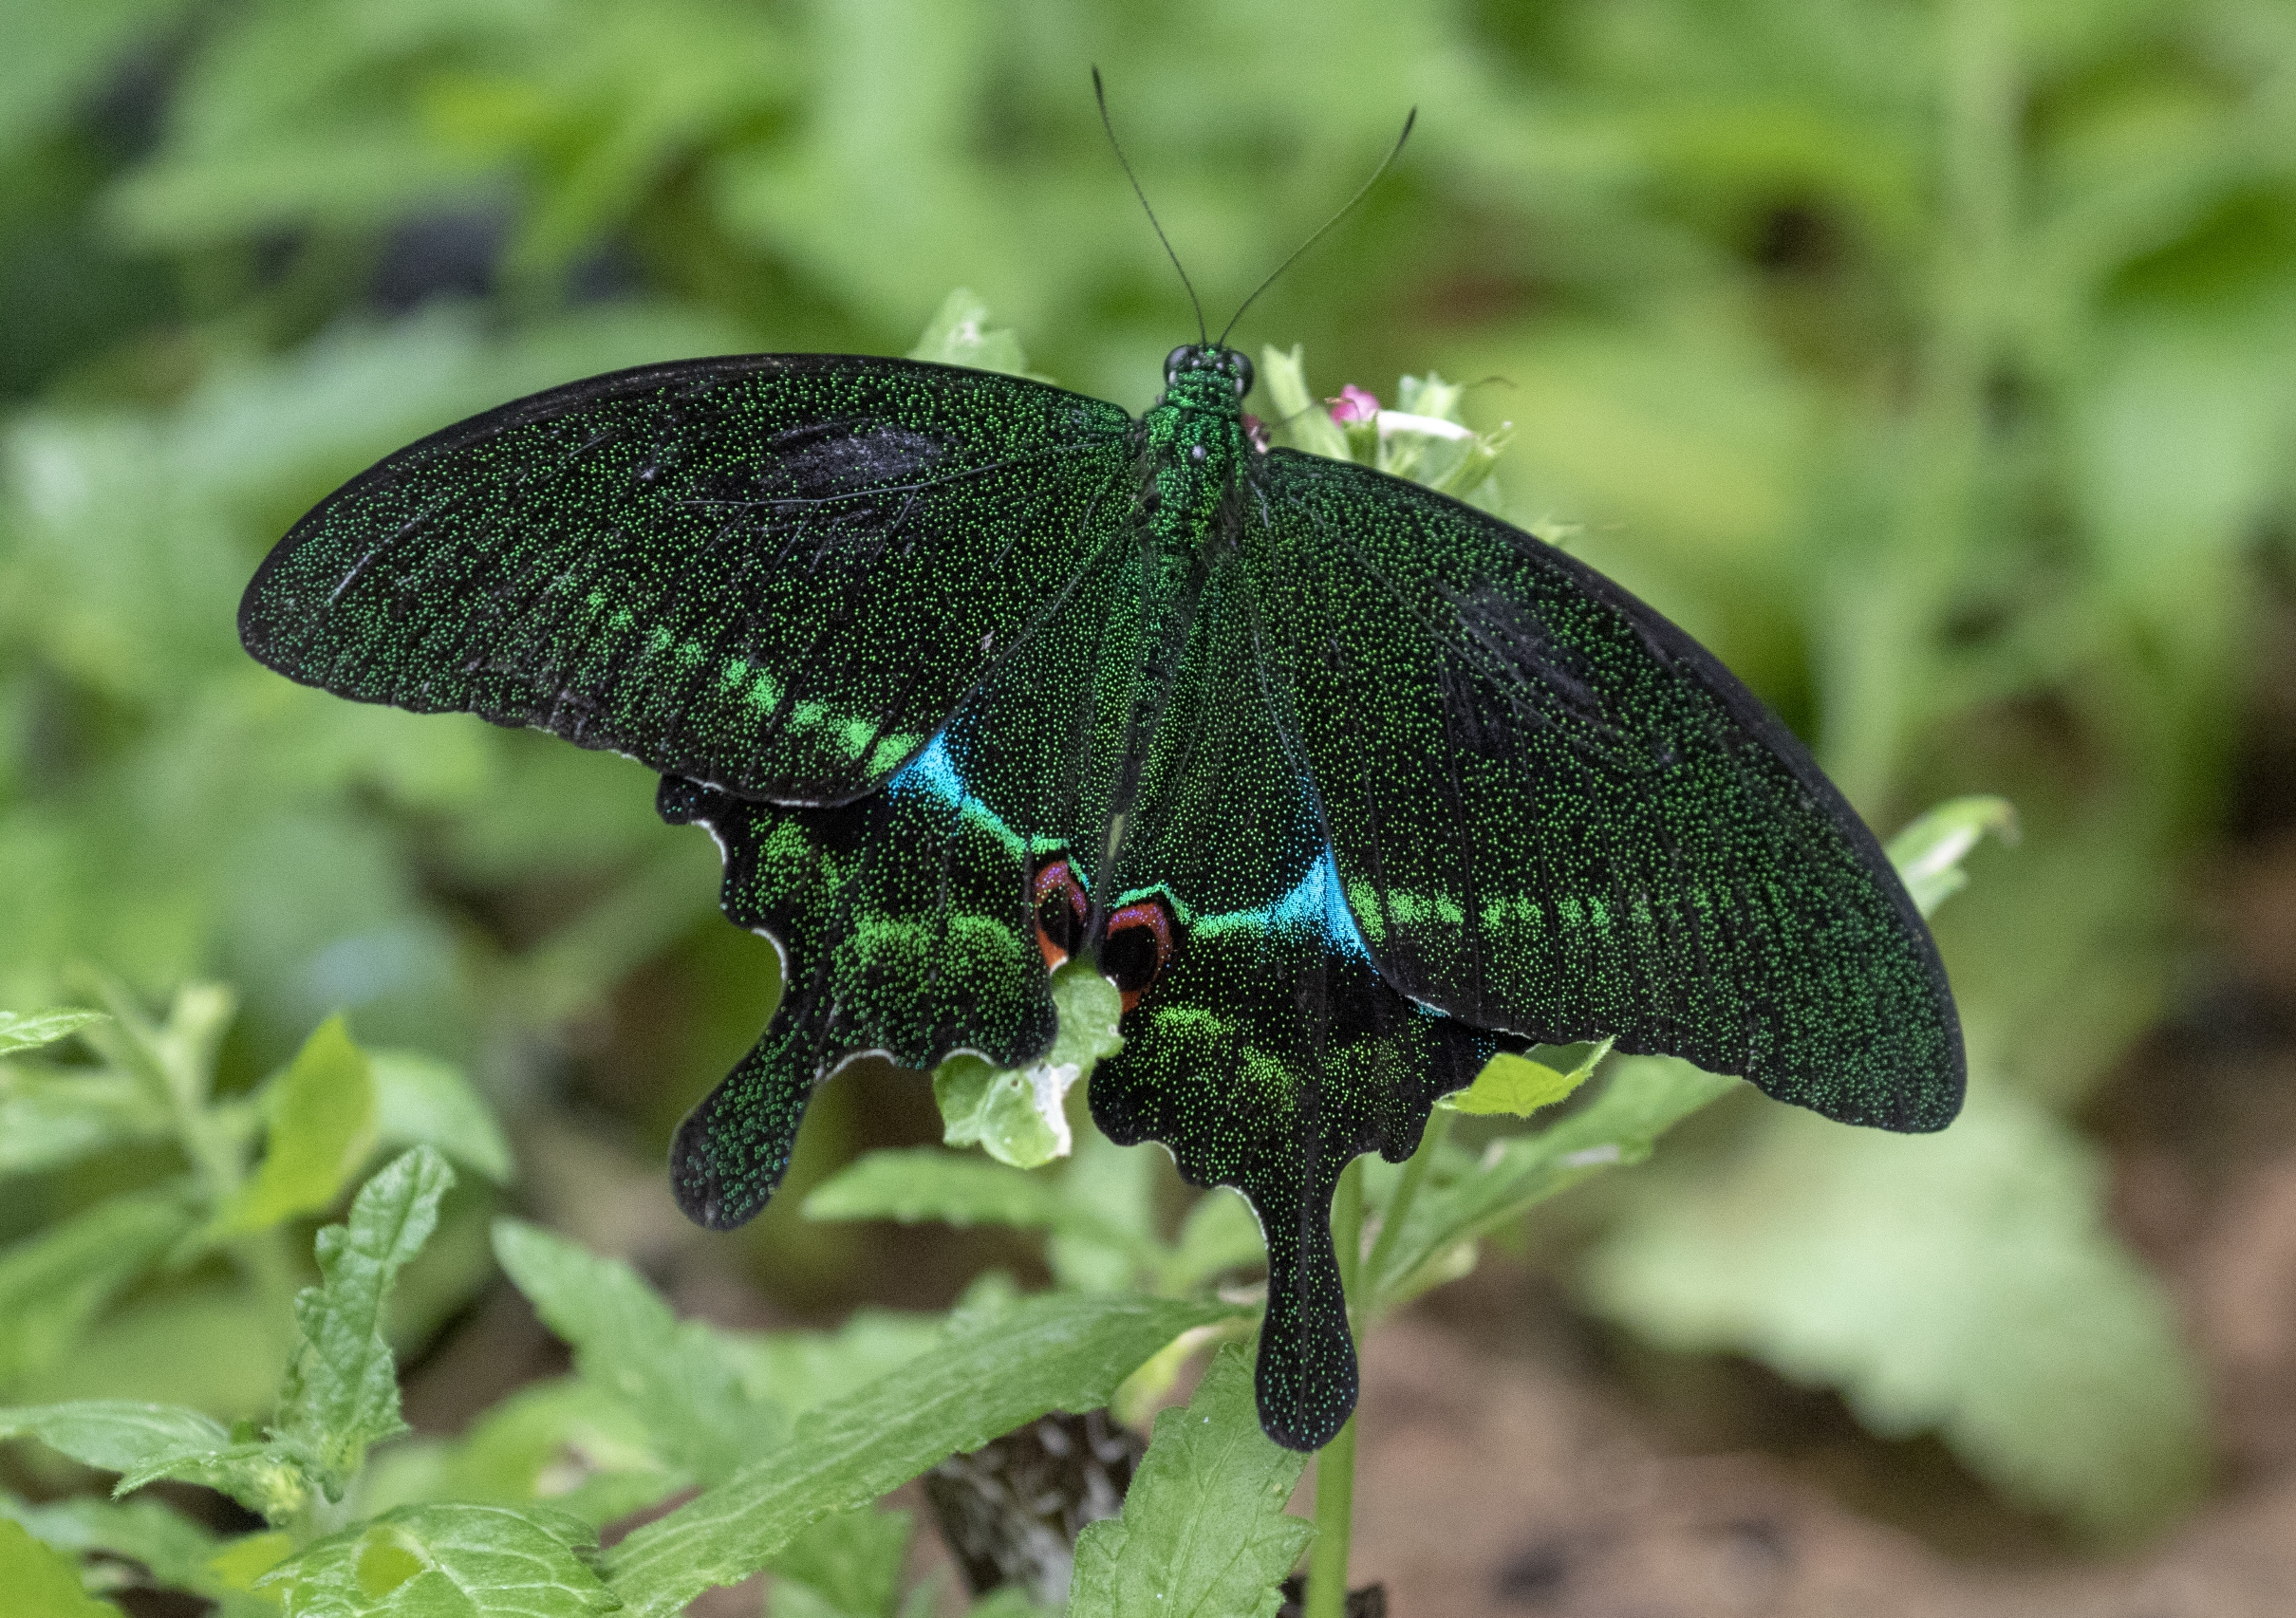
1935,363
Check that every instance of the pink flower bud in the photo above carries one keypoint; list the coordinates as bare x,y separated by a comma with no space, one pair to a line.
1353,404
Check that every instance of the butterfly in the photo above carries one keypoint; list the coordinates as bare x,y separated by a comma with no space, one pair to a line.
1345,785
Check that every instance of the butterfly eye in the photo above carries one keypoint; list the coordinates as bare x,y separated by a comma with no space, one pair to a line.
1062,910
1179,359
1239,366
1137,949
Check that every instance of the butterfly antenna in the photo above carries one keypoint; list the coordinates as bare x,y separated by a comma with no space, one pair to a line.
1100,95
1386,163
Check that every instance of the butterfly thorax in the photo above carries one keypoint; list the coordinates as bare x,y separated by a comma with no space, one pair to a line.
1193,443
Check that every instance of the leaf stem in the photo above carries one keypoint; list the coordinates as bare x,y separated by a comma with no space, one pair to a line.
1336,1461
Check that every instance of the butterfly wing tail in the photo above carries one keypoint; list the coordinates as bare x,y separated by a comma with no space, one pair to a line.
732,1150
1306,1375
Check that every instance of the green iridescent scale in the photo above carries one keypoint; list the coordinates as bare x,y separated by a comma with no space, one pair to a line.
1346,786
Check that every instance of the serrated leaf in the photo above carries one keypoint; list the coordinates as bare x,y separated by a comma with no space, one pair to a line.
681,1378
321,1117
1517,1086
1644,1097
342,1389
448,1561
28,1030
1964,1283
40,1583
1065,1351
1019,1115
256,1473
1929,852
422,1101
54,1284
960,334
1204,1532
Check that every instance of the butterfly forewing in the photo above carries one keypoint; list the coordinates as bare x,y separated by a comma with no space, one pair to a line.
1552,813
774,574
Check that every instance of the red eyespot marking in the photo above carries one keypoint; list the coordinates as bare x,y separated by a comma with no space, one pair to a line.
1137,948
1062,908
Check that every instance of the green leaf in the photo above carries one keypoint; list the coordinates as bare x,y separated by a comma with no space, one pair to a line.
1204,1532
1063,1352
1518,1087
448,1561
1927,853
852,1559
1645,1096
322,1124
342,1389
1019,1115
42,1582
117,1435
1965,1283
960,334
420,1101
28,1030
54,1284
681,1378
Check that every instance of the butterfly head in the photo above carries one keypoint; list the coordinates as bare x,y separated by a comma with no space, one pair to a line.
1206,376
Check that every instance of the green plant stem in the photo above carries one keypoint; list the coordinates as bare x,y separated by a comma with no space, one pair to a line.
1336,1461
1398,1210
1334,1526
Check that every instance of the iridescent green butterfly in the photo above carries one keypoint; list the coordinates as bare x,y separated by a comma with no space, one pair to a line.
1346,786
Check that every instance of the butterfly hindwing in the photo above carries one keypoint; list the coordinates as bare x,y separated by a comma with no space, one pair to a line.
908,921
1554,813
774,574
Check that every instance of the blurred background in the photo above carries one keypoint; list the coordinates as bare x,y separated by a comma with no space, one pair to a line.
1933,362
